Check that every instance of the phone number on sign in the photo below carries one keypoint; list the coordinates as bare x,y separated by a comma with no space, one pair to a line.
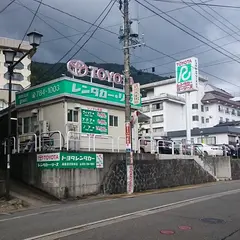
46,91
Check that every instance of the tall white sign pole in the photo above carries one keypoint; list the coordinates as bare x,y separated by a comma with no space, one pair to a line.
188,117
187,82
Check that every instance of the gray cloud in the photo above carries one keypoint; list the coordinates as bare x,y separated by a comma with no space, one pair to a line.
157,33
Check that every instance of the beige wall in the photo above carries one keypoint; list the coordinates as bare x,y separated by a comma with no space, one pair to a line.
56,115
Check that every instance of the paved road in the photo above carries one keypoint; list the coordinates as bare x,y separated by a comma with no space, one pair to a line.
142,217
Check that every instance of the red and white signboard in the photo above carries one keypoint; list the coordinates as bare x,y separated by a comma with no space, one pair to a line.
128,135
80,69
130,179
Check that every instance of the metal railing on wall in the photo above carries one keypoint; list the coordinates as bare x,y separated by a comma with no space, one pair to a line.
27,143
50,141
78,141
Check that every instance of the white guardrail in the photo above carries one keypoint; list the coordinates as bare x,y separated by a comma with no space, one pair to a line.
49,141
77,141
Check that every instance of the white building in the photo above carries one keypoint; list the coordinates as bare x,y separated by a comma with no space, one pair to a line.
22,72
210,106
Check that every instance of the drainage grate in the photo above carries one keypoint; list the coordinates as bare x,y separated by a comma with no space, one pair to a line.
213,220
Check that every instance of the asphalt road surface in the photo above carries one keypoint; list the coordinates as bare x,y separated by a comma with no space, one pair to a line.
209,212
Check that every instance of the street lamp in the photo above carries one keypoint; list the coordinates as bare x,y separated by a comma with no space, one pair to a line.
34,40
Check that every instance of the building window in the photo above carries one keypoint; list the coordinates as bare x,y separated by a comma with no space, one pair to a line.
195,106
29,124
220,108
113,121
146,130
195,118
231,139
221,119
19,54
202,108
233,112
238,113
202,119
227,110
207,120
157,106
72,115
158,118
227,119
19,66
206,109
15,76
158,130
146,108
15,87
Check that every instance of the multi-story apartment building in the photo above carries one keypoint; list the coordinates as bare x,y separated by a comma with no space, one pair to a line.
22,72
209,107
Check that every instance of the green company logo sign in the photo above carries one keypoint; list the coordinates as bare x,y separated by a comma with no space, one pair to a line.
187,75
69,160
81,89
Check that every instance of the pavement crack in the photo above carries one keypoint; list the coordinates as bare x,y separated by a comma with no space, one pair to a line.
231,234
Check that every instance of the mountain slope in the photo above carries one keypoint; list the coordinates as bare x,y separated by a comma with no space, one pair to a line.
43,72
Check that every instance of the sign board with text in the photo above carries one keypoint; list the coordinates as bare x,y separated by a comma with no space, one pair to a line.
94,120
69,160
187,75
136,93
74,88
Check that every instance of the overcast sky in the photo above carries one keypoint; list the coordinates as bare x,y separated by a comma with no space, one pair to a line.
158,34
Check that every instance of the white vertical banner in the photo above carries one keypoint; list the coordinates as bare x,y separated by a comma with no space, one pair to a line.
130,179
136,93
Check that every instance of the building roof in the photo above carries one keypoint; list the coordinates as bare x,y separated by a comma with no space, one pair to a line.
211,88
233,123
13,43
214,97
206,131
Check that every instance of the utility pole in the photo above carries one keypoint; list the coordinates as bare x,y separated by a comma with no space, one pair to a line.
128,129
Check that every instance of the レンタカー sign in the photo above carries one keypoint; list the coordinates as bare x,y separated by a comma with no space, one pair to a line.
69,160
187,75
80,69
67,87
94,120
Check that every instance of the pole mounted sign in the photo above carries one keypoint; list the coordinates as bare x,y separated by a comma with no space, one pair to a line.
80,69
187,75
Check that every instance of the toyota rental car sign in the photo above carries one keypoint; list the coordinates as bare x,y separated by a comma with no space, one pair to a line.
187,75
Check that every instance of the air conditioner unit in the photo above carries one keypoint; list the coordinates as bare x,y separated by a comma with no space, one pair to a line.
72,127
44,127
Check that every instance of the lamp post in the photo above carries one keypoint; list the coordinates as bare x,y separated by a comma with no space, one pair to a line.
34,40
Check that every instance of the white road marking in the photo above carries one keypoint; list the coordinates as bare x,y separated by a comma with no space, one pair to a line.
105,222
54,210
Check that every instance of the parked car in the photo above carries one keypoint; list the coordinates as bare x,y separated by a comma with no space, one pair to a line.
210,149
160,145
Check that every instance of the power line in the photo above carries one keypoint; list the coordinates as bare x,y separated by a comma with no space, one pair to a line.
21,4
212,75
104,28
1,11
29,25
225,19
210,19
174,24
208,50
74,16
67,37
98,26
202,4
